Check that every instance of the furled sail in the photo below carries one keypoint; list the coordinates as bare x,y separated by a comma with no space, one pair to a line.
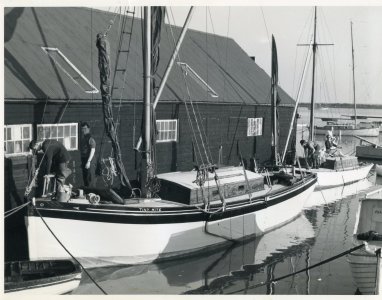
110,127
275,100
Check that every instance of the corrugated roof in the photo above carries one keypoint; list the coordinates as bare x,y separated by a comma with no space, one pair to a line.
30,74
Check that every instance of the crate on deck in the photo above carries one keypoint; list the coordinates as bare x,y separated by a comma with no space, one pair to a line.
340,163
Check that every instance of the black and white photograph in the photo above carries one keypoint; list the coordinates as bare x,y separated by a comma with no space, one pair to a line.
169,148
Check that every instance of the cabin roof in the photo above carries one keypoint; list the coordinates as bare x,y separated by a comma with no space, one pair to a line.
226,175
31,75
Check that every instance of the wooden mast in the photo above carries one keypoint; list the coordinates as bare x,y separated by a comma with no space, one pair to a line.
274,81
314,45
352,56
146,157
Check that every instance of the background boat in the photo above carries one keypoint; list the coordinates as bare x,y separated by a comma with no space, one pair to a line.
365,263
41,277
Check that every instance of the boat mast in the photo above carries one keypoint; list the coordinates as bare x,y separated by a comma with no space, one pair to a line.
169,66
274,80
352,56
146,157
314,45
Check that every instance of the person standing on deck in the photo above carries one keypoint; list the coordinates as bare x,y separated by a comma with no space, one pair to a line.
311,153
88,146
57,159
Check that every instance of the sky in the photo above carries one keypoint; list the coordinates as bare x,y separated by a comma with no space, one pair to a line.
252,27
251,24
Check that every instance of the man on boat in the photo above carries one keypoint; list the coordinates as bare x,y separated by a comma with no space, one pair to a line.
88,146
311,153
57,159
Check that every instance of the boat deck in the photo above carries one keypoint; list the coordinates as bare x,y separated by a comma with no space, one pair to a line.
158,202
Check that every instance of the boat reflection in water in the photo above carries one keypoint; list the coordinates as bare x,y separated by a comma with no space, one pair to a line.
323,230
327,196
211,272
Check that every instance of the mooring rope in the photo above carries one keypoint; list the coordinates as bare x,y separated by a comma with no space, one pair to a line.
87,273
275,280
15,209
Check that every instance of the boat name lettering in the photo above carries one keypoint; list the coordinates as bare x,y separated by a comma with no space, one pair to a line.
150,209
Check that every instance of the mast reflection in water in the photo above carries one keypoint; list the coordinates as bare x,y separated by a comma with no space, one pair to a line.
320,232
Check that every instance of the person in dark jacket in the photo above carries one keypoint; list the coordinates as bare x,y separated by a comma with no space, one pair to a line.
57,159
88,146
311,153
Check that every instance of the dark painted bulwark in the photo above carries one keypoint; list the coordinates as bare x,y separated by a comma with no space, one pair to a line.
37,91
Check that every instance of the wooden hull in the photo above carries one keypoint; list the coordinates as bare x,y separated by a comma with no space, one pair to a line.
369,152
249,257
327,178
43,277
153,229
342,131
364,263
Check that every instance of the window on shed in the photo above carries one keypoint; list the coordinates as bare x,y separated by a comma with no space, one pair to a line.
66,133
187,70
255,127
70,69
167,130
17,139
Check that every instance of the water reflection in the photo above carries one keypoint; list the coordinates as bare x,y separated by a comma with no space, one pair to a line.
248,262
327,196
323,230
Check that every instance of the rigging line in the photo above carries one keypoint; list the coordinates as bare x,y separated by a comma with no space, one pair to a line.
126,63
43,156
91,58
323,78
266,27
309,27
226,51
294,71
200,131
62,245
15,209
321,54
185,103
196,113
188,92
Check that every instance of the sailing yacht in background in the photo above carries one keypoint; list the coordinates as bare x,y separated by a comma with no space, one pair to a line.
337,170
197,210
368,129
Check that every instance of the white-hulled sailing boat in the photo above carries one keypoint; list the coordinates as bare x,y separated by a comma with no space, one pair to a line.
361,129
337,170
196,211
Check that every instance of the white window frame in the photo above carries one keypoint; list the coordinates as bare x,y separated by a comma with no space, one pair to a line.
255,127
65,139
187,70
165,130
16,137
50,50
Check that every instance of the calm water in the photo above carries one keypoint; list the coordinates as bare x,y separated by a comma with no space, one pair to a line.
323,230
245,268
